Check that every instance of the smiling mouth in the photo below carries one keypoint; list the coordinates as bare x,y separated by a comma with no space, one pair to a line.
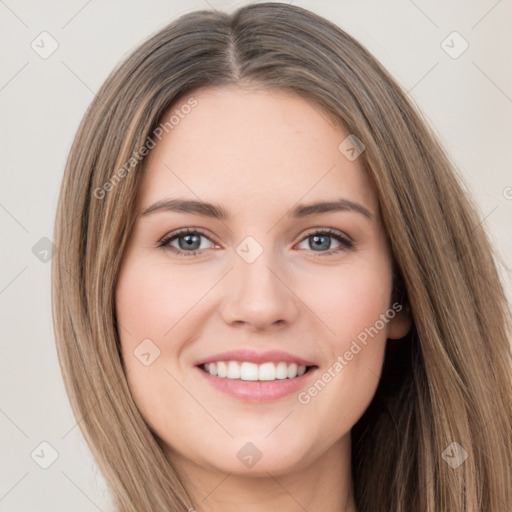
248,371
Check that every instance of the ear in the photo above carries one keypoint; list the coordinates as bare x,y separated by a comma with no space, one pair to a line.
400,325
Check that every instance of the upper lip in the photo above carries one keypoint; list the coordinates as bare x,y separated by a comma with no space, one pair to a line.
270,356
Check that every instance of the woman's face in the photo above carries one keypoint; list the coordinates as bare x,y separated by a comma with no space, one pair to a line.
261,286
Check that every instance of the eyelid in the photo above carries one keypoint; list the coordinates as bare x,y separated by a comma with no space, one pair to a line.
182,232
329,231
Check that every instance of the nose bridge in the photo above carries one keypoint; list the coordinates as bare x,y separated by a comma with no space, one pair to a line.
256,293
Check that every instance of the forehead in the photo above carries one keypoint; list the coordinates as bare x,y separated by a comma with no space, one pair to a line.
243,146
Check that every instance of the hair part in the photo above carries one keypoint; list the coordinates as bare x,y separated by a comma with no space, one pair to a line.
447,381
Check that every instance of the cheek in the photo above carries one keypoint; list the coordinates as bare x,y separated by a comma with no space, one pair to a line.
353,307
151,300
153,307
351,300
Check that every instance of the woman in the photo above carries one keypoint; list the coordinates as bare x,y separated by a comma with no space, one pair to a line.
271,292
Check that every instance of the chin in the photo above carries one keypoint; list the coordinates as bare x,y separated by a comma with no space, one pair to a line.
258,456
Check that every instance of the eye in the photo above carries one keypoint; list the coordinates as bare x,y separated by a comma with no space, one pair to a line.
321,239
188,241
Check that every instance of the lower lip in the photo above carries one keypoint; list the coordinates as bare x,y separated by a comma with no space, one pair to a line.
258,391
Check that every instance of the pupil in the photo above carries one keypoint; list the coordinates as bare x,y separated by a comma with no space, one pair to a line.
326,245
190,240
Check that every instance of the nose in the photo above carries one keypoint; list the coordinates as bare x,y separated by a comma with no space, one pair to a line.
258,296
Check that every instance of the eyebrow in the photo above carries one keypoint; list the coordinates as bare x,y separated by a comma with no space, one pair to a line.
219,212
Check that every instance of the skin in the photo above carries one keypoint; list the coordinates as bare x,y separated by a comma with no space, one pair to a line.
257,153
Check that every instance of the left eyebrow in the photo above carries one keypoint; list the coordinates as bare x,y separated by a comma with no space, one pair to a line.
218,212
331,206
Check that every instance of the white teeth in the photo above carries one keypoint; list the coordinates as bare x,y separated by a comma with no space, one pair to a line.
267,371
292,371
233,370
211,368
281,371
253,371
222,370
248,371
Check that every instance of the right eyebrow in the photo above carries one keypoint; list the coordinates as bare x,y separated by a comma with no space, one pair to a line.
188,206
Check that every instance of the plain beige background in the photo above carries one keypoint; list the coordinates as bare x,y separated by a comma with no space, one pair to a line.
467,98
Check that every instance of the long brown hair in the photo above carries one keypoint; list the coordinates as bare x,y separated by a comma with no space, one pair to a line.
447,382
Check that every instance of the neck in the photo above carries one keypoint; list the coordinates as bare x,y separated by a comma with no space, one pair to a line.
324,484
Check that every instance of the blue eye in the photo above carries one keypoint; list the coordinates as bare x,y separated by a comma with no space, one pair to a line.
189,241
320,241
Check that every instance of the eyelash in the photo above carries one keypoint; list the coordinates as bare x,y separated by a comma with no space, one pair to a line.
346,243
